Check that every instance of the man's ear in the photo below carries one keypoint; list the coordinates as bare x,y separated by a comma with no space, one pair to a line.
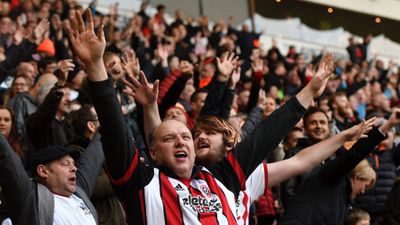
91,127
42,171
153,154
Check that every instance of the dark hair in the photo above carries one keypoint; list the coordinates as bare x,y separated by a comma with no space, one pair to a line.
193,98
312,111
46,61
13,138
333,97
81,117
160,7
286,138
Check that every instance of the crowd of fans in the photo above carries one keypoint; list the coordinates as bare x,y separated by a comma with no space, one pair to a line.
252,124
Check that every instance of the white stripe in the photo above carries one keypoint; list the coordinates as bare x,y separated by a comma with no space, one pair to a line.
231,202
153,201
189,216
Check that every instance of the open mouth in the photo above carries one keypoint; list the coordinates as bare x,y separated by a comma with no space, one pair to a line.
181,155
203,145
72,179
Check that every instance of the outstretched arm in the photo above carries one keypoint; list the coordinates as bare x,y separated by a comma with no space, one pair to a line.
312,156
267,135
335,169
117,144
15,183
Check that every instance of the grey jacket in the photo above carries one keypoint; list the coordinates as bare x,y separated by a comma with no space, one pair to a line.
30,203
22,105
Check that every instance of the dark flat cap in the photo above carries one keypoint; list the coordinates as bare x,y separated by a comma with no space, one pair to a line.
49,154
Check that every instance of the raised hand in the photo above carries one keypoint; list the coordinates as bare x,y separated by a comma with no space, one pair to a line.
57,26
87,46
359,131
65,66
19,33
186,68
235,77
325,70
261,98
393,120
40,31
131,63
227,64
162,54
141,90
317,85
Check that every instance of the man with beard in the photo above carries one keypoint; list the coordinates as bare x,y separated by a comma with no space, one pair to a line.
343,115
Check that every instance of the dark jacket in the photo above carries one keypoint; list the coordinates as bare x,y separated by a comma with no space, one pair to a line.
289,187
323,197
32,203
43,128
392,214
23,105
253,119
385,163
219,100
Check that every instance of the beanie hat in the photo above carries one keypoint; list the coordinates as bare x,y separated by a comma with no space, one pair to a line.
47,46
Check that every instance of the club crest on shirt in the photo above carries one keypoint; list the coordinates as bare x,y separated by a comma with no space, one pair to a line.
202,186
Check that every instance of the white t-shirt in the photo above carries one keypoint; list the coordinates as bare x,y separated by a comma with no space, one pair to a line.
71,210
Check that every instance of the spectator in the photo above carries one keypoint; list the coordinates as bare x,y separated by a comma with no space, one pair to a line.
357,217
385,159
25,104
109,209
335,182
60,193
342,113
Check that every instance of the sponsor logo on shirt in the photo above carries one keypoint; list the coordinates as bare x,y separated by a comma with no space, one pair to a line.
202,205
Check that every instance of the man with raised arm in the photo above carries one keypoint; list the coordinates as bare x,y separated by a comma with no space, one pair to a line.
175,191
214,138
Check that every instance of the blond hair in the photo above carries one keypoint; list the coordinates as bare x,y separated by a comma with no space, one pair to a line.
364,171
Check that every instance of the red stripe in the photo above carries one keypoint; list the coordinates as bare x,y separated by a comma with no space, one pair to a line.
214,187
246,204
265,177
172,210
238,169
128,173
142,207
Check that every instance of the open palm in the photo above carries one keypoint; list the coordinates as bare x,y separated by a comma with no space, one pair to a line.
325,70
141,90
87,46
360,131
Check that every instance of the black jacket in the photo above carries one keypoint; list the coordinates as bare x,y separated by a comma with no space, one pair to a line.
323,197
43,128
